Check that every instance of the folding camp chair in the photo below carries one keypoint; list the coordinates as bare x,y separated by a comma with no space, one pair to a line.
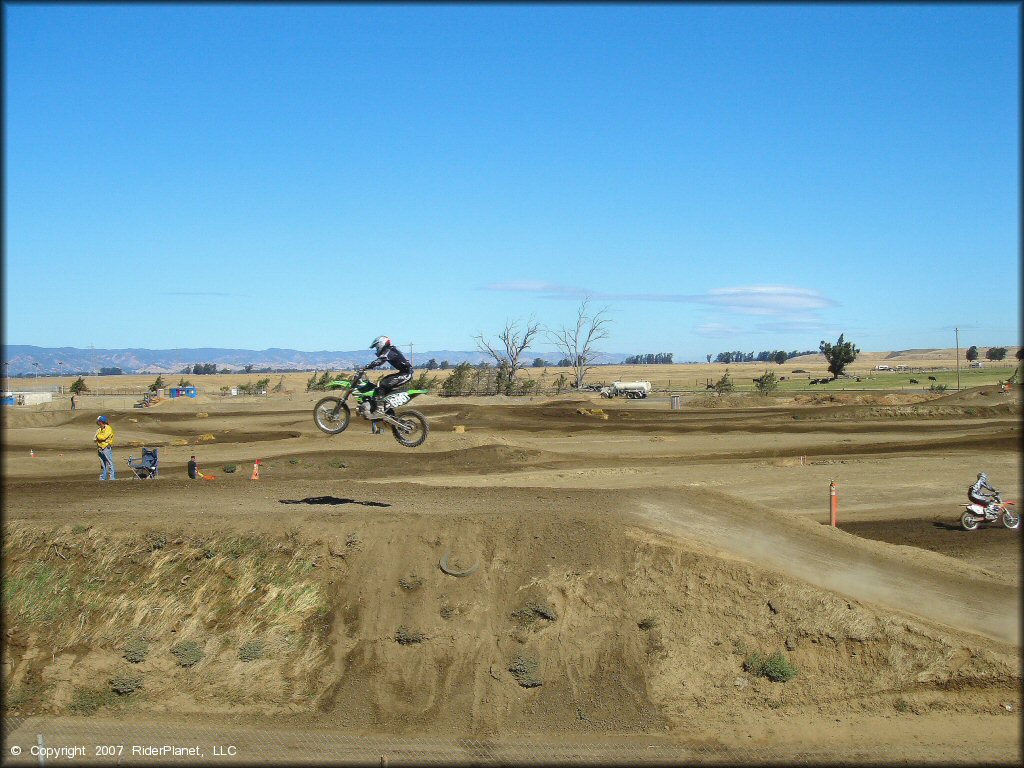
148,467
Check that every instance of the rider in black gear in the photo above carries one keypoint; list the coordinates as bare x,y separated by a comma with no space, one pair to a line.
387,353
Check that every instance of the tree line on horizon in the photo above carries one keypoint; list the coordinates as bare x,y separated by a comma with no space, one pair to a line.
777,356
660,358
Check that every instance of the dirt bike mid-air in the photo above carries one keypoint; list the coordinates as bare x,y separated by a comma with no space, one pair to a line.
975,514
332,413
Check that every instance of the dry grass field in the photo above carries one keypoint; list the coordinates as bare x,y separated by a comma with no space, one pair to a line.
640,583
680,378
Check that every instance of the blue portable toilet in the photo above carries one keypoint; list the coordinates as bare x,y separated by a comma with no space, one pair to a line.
190,391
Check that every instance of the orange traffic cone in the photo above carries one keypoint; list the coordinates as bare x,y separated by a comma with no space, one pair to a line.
256,470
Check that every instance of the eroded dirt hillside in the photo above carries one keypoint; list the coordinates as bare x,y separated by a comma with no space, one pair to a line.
567,624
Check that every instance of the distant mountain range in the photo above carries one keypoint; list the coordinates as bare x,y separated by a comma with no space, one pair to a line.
48,361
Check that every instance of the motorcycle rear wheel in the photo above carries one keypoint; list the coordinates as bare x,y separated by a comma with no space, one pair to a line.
418,428
968,521
332,415
1010,519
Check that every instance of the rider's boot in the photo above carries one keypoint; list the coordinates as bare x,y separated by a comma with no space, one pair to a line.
377,410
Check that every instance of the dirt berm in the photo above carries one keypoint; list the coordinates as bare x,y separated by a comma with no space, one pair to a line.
573,622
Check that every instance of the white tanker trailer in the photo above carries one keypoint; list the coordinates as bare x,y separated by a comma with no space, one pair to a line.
634,390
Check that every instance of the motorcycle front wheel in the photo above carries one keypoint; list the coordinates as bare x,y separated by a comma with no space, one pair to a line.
968,521
1011,519
414,428
332,415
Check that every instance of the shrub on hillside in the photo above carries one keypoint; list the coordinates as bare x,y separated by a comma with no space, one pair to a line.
188,653
251,651
775,667
125,683
136,651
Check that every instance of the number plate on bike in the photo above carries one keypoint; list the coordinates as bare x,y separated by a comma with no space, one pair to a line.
397,399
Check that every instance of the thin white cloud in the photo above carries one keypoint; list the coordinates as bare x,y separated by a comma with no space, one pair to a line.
796,326
716,330
770,300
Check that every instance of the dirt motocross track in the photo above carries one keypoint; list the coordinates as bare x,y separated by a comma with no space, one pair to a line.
624,560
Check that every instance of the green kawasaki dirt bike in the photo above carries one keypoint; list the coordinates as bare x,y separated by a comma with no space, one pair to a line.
332,413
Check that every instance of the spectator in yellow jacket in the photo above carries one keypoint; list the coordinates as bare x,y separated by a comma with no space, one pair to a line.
105,447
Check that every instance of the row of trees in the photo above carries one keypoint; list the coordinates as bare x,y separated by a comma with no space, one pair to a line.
433,365
778,356
992,353
661,358
203,369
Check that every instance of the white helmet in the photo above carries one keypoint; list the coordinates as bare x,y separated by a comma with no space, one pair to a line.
983,477
380,344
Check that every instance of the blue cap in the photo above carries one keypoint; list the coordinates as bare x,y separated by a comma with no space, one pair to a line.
102,419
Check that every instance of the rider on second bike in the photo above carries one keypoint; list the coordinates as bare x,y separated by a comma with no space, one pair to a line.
977,494
386,353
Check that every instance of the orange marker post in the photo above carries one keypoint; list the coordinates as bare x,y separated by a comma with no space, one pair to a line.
256,470
833,503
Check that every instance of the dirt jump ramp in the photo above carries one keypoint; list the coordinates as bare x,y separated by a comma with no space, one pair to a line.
922,584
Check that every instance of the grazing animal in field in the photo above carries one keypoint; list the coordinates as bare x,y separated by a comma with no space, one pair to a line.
931,378
914,381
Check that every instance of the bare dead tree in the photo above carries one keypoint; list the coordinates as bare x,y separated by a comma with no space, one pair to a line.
511,345
577,342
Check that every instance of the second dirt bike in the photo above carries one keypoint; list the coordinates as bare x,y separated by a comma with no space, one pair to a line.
998,510
332,414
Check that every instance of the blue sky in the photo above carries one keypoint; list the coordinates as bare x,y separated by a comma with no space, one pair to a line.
717,177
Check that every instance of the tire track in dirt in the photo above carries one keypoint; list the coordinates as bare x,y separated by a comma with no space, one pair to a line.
960,598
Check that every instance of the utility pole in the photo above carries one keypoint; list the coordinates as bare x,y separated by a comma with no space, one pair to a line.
957,330
411,345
